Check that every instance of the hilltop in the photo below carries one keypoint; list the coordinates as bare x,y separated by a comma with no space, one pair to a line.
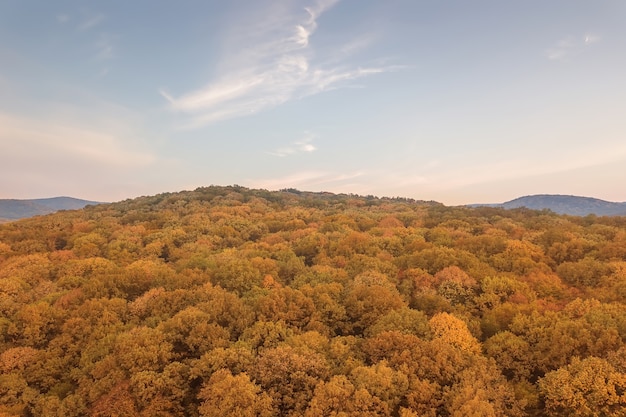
564,204
11,209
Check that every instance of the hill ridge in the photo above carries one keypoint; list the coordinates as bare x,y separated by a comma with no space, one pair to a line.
14,209
564,204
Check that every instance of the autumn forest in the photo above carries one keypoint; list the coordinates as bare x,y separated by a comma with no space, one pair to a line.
227,301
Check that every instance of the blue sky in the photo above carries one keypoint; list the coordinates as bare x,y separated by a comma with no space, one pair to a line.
454,101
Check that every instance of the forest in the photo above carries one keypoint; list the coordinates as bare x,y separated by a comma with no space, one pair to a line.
228,301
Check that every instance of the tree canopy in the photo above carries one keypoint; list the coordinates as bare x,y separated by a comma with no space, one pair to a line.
236,302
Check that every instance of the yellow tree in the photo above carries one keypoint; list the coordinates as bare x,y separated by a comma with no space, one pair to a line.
290,377
586,388
451,330
339,398
225,395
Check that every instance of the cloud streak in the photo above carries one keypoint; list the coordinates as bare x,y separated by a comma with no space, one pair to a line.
523,167
308,180
277,65
62,18
570,46
104,48
33,140
303,145
90,22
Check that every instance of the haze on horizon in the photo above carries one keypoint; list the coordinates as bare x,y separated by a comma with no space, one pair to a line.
458,102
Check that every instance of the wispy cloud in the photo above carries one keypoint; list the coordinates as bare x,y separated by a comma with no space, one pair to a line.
303,145
33,140
274,65
70,160
104,48
570,46
102,44
364,182
523,166
103,72
308,180
62,18
91,21
357,45
591,38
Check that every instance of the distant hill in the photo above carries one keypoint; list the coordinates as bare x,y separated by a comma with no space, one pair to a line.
565,204
11,209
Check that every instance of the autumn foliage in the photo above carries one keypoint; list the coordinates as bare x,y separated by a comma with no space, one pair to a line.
226,301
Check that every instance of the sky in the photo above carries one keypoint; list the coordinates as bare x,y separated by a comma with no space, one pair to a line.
455,101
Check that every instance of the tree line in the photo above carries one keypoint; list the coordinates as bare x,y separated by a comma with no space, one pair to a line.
226,301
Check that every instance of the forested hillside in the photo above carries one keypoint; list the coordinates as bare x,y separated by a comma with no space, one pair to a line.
226,301
11,209
568,204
